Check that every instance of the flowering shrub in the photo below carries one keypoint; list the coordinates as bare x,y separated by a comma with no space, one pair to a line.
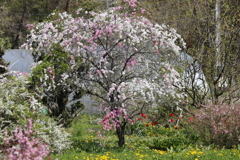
22,145
17,105
53,134
218,124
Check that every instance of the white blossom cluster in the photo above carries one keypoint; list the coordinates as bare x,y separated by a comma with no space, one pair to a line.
54,134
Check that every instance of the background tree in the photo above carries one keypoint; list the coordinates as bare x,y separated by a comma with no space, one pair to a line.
212,41
17,14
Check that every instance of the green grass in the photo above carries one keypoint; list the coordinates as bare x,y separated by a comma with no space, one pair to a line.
148,154
150,143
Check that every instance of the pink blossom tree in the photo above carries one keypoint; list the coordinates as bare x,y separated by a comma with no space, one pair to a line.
124,59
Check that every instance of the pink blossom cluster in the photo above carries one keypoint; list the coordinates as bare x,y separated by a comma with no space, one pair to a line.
114,118
132,3
51,73
23,146
131,63
30,26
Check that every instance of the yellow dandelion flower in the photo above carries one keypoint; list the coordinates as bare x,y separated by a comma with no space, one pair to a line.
104,157
193,152
234,150
137,154
160,152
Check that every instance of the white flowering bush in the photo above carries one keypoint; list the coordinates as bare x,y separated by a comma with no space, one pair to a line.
53,134
17,105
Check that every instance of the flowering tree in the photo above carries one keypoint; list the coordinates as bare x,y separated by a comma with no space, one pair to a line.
123,59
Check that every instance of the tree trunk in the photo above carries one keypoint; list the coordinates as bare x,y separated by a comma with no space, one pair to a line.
67,6
120,130
120,133
20,28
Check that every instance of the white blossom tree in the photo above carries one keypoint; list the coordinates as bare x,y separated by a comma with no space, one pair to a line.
124,59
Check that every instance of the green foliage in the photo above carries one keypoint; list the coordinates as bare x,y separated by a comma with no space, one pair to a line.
78,128
4,43
173,143
38,73
137,128
173,138
58,59
89,5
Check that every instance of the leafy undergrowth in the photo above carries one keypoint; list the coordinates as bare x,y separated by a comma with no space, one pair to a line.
147,143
